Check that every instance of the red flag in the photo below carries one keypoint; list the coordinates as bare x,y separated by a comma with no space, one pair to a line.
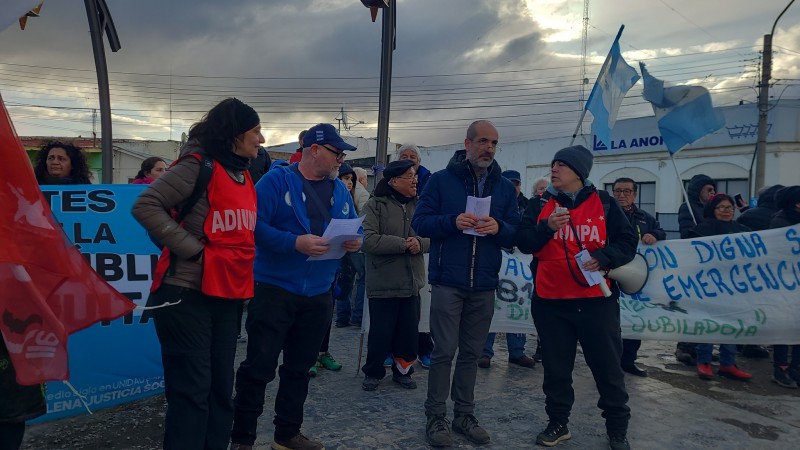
47,289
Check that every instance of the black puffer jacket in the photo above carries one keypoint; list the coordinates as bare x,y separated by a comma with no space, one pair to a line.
685,221
758,218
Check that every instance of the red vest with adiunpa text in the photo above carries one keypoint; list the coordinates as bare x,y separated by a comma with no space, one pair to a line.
553,277
229,239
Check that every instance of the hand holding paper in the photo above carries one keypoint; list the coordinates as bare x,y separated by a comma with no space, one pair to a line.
338,233
478,208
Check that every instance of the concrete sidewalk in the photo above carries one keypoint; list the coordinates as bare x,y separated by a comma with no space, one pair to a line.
510,405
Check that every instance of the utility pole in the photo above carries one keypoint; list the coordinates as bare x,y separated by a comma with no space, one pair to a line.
388,45
763,105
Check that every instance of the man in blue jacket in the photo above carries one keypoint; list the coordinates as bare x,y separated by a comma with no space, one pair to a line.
463,273
292,305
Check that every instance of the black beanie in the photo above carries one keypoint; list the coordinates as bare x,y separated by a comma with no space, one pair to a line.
396,168
246,117
578,158
787,197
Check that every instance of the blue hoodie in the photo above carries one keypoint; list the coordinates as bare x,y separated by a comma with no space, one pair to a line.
282,217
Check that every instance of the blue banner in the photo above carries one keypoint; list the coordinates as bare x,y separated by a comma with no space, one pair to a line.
112,362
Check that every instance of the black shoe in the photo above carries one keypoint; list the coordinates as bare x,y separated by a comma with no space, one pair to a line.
633,369
437,432
405,381
524,361
782,378
553,434
755,352
370,384
618,441
685,357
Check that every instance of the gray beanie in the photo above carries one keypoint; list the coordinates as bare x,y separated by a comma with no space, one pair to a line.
578,158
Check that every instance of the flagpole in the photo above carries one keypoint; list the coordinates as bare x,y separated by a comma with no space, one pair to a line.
683,189
594,88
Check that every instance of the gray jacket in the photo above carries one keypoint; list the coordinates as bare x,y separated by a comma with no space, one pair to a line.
392,272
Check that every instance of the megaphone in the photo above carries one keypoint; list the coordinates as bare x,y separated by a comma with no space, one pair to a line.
631,277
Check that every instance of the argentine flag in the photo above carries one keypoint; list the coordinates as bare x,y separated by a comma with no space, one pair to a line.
615,80
684,113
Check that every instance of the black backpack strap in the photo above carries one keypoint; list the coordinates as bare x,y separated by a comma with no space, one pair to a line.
605,199
200,186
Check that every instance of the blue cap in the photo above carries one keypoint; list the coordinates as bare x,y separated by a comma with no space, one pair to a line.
512,175
325,133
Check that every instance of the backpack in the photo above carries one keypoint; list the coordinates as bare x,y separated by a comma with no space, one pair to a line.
200,186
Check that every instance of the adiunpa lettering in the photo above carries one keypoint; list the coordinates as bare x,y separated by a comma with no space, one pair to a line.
585,233
234,219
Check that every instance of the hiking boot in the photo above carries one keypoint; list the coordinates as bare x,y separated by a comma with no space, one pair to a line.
240,447
370,384
734,373
405,381
781,376
755,351
523,361
553,434
298,442
312,372
704,371
425,361
468,426
618,441
326,361
484,362
684,357
437,432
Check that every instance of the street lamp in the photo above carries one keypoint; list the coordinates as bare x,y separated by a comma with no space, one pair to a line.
763,104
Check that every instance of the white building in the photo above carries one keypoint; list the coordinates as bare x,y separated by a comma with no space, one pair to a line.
637,151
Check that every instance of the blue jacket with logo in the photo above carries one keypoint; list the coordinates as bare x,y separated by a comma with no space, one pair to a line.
462,260
282,217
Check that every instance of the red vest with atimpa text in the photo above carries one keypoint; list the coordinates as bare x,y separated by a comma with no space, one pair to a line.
229,239
553,277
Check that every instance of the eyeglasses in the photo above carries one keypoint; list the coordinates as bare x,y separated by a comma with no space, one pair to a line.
724,208
413,177
339,155
623,191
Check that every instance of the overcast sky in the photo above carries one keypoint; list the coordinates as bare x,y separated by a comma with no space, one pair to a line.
299,62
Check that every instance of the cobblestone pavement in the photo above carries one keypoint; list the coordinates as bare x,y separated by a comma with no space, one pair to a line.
510,405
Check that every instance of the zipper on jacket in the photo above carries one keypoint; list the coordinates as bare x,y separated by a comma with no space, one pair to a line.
474,238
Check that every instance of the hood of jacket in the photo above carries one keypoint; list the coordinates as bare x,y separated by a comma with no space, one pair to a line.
696,185
767,198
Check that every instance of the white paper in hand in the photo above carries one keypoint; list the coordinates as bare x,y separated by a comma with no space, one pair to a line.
479,206
339,231
593,277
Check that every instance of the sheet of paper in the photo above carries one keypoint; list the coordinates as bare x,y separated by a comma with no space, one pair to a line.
339,231
593,277
480,206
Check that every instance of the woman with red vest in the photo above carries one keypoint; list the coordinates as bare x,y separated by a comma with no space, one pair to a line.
571,219
205,271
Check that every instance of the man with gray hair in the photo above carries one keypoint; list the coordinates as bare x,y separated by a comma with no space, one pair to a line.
411,153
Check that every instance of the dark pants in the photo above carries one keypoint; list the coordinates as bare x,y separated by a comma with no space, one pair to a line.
780,355
198,346
596,325
278,320
393,329
11,435
630,347
347,276
424,344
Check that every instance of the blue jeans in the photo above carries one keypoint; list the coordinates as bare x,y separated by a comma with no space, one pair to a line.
515,341
727,354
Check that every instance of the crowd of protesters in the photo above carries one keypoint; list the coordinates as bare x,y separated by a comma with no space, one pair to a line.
275,258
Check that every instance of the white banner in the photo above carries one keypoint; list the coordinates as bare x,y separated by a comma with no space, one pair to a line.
738,288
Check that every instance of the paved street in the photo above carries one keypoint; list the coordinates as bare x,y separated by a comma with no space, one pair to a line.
682,412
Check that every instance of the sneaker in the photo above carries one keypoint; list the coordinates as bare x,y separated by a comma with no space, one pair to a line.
405,381
388,361
468,426
298,442
312,372
781,376
755,351
484,362
553,434
704,371
370,384
240,447
618,441
523,361
734,373
326,361
684,357
425,361
437,432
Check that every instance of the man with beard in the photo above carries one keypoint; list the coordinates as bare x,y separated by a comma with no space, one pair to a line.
463,273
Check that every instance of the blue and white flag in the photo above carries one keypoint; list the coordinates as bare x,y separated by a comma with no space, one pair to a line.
684,113
615,80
